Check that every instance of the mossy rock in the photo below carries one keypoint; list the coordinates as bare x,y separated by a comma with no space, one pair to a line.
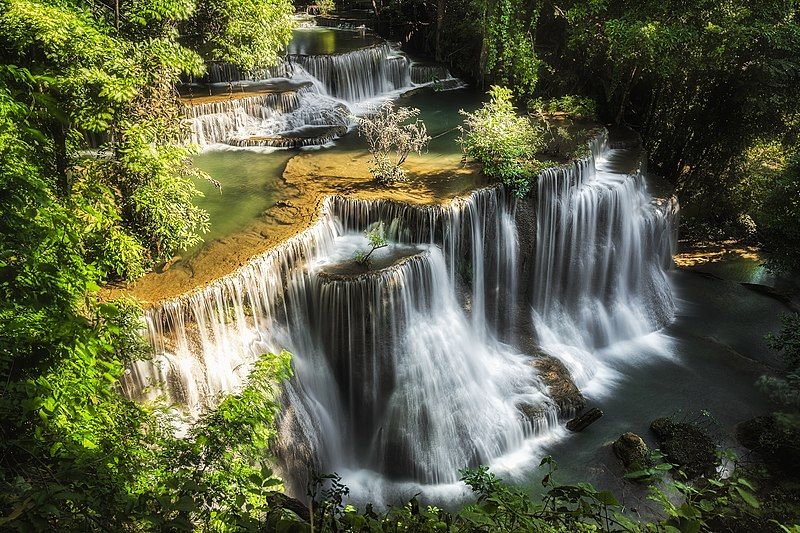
776,440
631,449
686,445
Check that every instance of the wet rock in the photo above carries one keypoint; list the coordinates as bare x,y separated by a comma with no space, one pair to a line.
776,442
531,412
686,445
775,294
632,451
584,420
560,386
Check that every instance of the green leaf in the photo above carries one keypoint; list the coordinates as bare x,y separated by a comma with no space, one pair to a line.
748,497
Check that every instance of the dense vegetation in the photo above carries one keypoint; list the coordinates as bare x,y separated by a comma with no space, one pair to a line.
720,119
75,455
711,86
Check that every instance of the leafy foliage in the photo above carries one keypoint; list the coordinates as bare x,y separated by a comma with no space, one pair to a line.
247,33
570,105
376,237
391,138
325,7
786,388
510,55
561,508
75,454
776,219
502,141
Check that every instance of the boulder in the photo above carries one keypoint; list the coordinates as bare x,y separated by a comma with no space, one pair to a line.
560,386
632,451
686,445
584,420
776,441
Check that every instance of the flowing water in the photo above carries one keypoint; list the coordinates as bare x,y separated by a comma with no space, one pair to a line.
424,363
327,77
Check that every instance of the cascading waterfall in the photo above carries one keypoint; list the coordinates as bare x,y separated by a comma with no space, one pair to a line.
409,371
603,246
312,98
403,358
359,75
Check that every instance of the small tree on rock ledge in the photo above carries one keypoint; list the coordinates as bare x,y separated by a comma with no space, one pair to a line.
377,239
391,138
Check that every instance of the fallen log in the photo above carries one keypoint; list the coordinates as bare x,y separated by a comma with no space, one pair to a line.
583,420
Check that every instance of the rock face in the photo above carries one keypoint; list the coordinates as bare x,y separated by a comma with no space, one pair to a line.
632,451
560,385
686,445
584,420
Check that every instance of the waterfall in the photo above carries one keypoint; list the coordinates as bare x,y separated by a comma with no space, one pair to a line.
603,247
422,364
307,99
404,358
297,116
359,75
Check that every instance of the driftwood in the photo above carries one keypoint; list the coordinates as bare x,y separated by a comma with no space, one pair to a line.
583,420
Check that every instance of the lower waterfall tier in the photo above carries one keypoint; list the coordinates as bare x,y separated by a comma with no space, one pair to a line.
402,359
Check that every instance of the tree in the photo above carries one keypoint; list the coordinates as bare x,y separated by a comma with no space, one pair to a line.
502,141
247,33
391,138
376,237
703,82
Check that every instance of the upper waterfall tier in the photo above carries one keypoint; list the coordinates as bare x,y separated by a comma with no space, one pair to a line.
423,364
359,75
310,98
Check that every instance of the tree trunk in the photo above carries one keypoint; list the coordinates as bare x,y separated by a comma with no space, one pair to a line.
439,26
59,131
621,113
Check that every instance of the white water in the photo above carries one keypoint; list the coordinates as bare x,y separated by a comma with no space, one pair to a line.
603,248
315,101
407,374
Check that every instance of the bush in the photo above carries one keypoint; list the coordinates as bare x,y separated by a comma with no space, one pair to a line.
391,138
502,141
324,7
571,105
778,230
785,388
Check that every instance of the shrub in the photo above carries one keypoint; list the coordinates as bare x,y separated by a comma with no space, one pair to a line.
502,141
571,105
391,138
377,239
324,7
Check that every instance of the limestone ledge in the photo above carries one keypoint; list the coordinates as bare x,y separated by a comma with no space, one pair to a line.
309,178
